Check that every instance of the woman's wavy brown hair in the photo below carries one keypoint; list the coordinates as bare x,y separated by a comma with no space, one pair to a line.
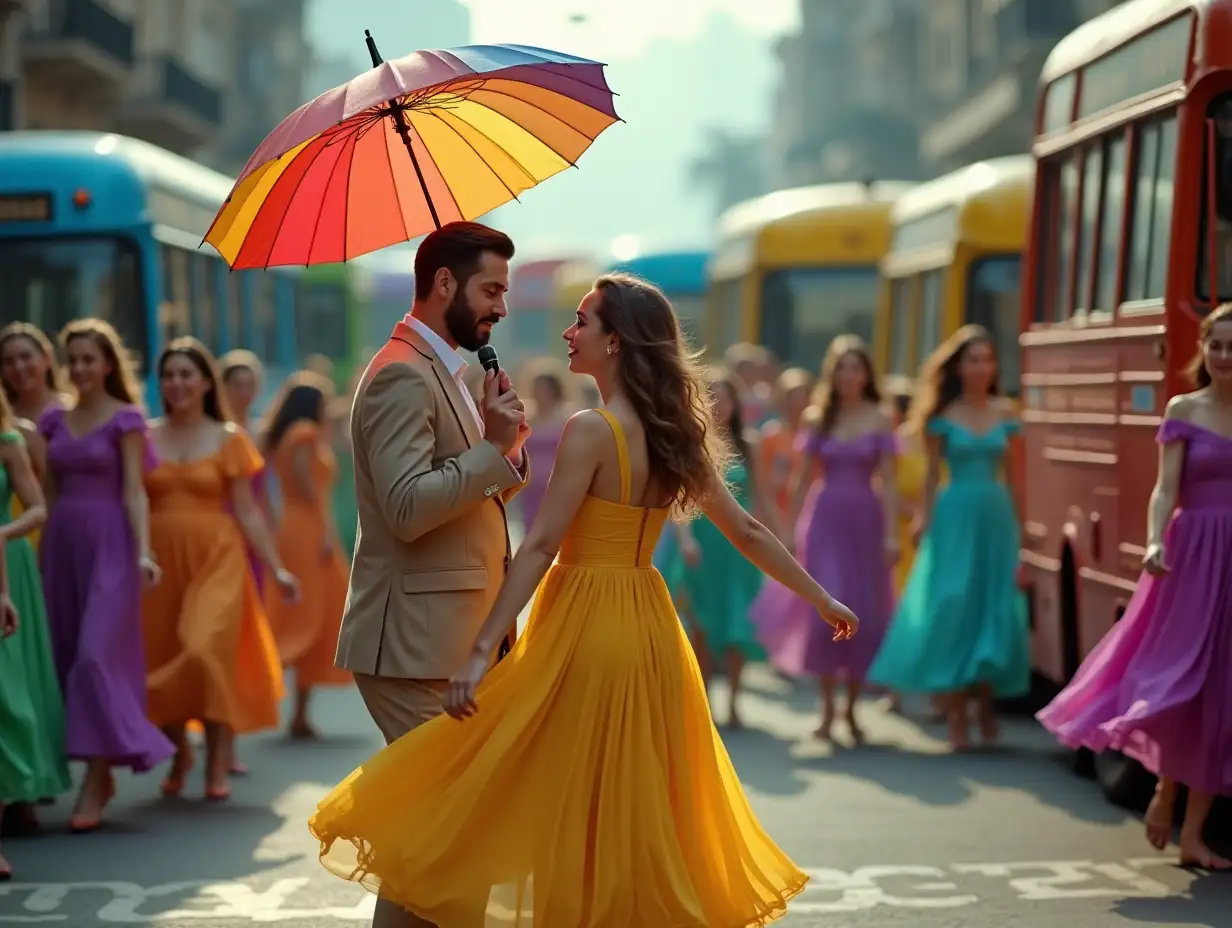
33,334
733,430
940,383
1198,375
662,380
121,383
823,411
214,402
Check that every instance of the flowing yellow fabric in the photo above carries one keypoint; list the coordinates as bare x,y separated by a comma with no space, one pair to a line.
591,790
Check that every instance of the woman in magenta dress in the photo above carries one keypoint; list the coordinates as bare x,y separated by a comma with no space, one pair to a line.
95,554
547,421
845,532
1158,686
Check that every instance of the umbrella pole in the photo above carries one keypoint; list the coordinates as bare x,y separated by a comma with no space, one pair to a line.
404,130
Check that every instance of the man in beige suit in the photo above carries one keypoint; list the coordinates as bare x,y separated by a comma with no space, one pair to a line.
433,472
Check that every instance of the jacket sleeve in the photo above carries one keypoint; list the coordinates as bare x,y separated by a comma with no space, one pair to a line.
397,424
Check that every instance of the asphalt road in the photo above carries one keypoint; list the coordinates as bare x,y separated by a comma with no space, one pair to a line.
895,833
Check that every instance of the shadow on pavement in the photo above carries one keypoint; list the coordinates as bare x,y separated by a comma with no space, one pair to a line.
1203,906
158,842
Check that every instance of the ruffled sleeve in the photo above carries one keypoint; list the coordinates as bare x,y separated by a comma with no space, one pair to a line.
887,443
809,441
1171,430
50,421
938,426
131,419
12,437
240,458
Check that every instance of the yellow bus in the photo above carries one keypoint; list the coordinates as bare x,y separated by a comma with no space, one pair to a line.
955,257
795,268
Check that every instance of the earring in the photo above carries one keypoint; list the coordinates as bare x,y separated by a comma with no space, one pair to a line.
611,349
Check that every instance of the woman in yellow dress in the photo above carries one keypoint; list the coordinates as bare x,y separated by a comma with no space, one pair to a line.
297,446
210,656
588,785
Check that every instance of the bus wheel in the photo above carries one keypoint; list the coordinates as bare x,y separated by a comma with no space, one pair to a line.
1123,781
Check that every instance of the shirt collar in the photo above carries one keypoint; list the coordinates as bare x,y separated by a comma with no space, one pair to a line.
454,362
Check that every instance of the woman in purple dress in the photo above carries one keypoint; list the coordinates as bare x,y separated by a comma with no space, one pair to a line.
1158,687
548,414
95,554
845,532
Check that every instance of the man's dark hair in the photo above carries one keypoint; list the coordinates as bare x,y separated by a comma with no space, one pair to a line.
459,247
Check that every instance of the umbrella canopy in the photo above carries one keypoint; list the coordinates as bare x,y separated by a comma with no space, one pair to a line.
427,139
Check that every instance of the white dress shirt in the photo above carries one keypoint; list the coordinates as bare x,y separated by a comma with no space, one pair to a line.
456,365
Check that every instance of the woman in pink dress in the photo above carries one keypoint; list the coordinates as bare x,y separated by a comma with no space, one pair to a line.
849,437
1158,686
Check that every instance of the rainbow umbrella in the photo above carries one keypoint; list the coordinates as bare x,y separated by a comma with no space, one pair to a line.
427,139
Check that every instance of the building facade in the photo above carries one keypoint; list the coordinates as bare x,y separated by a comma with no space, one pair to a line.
202,78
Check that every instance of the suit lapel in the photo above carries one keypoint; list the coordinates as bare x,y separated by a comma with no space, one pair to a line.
449,385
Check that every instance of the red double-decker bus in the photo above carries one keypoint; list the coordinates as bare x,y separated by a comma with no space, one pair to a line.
1134,157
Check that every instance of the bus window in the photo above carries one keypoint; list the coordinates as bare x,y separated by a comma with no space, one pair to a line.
992,301
1146,270
174,312
1092,174
804,309
1221,112
1110,225
902,359
690,310
49,282
237,337
1056,240
320,320
205,303
929,331
729,308
265,316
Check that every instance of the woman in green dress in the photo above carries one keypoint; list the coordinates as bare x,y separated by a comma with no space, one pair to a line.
33,764
714,584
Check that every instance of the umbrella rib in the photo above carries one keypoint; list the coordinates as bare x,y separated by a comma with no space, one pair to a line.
346,206
465,141
278,231
545,112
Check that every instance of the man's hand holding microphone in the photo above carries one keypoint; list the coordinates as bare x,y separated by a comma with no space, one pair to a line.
504,414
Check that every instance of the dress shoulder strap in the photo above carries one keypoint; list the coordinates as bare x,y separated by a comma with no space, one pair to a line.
622,455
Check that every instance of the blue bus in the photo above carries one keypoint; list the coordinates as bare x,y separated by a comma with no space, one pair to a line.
681,274
94,224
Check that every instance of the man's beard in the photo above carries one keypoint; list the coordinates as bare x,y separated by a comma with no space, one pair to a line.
463,326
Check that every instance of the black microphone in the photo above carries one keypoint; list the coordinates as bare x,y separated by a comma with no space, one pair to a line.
488,361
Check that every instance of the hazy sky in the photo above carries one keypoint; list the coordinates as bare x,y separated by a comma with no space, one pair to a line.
679,67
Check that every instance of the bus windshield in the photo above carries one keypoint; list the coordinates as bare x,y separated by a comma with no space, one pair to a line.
804,309
994,286
50,281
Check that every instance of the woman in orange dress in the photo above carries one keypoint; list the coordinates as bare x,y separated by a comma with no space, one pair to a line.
210,656
778,435
298,451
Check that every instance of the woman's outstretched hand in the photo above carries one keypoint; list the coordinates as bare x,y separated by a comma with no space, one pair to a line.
843,619
460,696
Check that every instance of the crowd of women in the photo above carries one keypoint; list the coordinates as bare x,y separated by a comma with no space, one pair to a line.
163,600
906,507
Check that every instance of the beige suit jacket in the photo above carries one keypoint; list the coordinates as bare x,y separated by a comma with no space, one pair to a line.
433,542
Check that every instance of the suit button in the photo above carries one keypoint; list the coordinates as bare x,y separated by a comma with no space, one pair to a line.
490,491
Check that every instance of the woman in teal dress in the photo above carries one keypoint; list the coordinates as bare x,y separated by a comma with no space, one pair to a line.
960,629
33,764
713,584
